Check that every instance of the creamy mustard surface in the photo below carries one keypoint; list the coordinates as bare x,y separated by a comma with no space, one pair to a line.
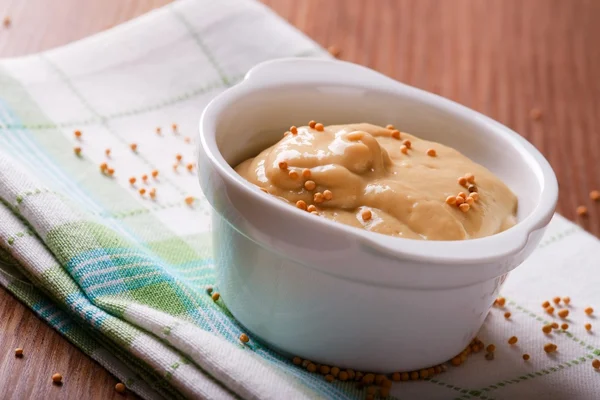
383,180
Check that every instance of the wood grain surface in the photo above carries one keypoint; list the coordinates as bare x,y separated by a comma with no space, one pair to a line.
500,57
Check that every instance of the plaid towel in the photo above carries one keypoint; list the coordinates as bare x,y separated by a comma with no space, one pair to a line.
124,275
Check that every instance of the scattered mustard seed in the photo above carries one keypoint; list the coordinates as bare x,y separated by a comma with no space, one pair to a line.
501,301
366,215
396,376
190,167
244,338
431,153
327,194
103,167
343,376
489,356
555,325
77,134
175,167
464,207
329,378
512,340
595,195
155,173
107,152
319,127
216,296
588,327
491,348
301,204
133,146
174,127
297,360
312,124
596,363
582,211
546,304
390,127
470,201
550,310
293,175
334,51
77,151
547,329
451,200
404,149
556,300
566,300
283,165
178,157
470,178
564,327
318,198
459,200
589,310
120,388
310,185
463,195
158,130
564,313
189,200
535,114
132,180
474,196
525,357
335,371
142,191
152,193
507,315
294,130
311,208
18,352
550,347
462,181
396,135
472,188
6,22
407,143
145,178
306,173
110,171
57,379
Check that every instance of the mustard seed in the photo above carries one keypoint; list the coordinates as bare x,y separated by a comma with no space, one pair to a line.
512,340
464,207
120,388
18,352
489,356
596,363
282,165
463,195
391,127
306,173
77,151
404,149
470,201
311,208
507,315
107,152
555,325
396,134
589,310
318,198
77,134
327,194
525,357
335,371
158,130
297,360
132,180
491,348
556,300
550,347
547,329
319,127
293,175
474,196
404,376
312,124
371,390
472,188
550,310
310,185
546,304
366,215
329,378
57,379
311,367
294,130
244,338
564,313
396,376
133,146
564,327
451,200
588,327
423,374
459,200
216,296
368,379
189,200
582,211
324,369
301,204
343,376
407,143
462,181
470,178
431,153
566,300
501,301
414,375
595,195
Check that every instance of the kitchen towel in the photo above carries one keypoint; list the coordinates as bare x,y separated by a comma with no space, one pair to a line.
122,268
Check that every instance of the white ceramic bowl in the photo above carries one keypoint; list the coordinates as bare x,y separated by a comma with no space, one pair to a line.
339,295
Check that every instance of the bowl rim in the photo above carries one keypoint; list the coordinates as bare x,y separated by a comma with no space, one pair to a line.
289,71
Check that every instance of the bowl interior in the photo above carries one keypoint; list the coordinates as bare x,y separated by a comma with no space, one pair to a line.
258,119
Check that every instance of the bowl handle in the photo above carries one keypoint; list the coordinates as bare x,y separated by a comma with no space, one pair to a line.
315,70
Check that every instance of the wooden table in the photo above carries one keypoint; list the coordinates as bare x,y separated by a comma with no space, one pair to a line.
500,57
